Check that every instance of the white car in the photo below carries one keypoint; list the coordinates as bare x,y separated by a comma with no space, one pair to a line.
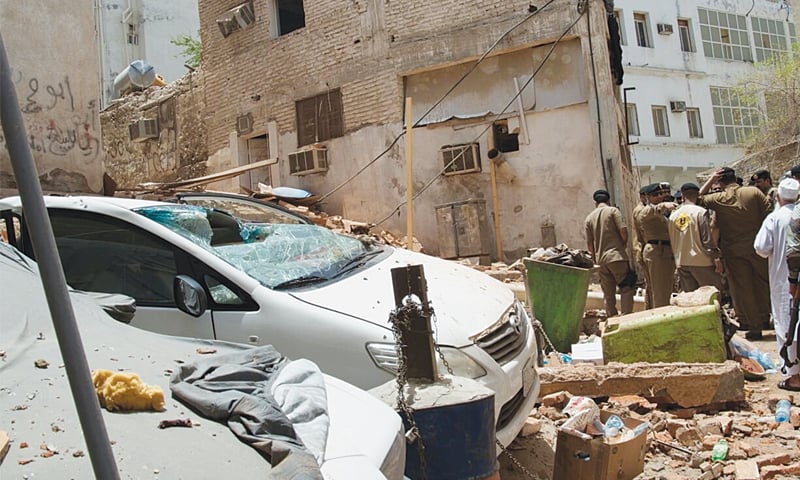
310,292
351,434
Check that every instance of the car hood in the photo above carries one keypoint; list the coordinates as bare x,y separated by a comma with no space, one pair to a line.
40,410
465,301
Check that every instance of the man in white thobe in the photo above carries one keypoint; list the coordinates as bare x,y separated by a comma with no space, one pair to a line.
770,243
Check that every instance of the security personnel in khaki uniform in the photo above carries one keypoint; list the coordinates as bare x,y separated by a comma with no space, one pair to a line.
659,262
740,212
638,245
607,241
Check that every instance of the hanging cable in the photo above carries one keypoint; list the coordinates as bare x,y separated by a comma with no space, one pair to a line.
513,99
438,102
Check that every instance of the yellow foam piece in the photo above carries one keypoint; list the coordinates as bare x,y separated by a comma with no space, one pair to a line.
125,391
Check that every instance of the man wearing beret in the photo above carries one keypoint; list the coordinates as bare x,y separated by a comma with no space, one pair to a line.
740,211
693,242
607,239
659,262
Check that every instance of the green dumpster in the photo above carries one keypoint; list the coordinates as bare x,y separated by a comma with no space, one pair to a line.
557,296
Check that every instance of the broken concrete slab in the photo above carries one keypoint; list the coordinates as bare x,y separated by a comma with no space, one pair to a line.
683,384
746,470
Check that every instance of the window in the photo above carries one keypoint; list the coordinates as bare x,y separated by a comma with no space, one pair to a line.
632,118
693,119
769,37
289,16
620,26
504,141
319,118
460,158
101,254
133,34
734,119
724,35
685,33
642,30
660,121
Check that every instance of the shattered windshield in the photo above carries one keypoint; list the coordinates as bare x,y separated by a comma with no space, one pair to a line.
277,255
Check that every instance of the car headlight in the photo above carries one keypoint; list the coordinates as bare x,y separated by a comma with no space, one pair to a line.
394,464
386,356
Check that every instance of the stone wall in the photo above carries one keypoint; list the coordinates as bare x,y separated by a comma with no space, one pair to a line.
179,151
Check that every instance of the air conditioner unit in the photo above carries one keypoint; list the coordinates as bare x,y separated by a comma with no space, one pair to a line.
244,15
143,129
458,159
244,124
677,106
237,18
309,160
664,28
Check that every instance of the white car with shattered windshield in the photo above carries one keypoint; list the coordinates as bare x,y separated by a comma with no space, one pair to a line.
309,291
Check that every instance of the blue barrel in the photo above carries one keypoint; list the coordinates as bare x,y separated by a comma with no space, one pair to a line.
455,419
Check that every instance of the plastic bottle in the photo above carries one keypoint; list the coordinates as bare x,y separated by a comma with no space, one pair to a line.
720,450
612,427
782,411
642,427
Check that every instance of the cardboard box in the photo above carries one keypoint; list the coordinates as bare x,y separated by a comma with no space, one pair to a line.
577,458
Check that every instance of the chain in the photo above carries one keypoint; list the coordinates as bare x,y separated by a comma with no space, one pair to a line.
516,462
537,325
399,319
435,343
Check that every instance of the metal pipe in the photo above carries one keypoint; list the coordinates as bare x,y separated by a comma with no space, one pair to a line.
55,287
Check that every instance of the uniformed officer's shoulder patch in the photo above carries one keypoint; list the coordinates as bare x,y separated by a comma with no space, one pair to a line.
682,221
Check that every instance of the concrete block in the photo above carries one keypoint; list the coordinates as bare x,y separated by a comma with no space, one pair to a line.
684,384
531,426
746,470
710,440
558,399
773,459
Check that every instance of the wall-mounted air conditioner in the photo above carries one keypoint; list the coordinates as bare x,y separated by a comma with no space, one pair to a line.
143,129
664,28
244,124
237,18
456,159
309,160
677,107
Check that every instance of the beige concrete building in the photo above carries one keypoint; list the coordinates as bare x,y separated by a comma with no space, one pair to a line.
53,54
319,87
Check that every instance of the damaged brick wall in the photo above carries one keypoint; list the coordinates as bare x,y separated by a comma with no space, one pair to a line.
178,151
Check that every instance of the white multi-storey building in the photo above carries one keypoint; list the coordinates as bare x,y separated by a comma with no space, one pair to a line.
131,30
681,59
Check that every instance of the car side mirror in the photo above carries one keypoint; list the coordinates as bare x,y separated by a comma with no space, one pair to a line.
189,295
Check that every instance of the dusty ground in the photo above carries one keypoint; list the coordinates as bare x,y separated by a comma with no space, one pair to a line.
748,428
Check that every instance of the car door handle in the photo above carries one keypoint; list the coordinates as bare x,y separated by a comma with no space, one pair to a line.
253,339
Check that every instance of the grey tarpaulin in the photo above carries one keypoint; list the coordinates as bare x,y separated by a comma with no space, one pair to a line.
250,392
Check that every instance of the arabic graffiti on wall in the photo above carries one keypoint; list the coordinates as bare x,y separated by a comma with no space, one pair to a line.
56,123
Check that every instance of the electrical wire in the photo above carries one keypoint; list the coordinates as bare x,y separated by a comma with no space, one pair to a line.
438,102
490,125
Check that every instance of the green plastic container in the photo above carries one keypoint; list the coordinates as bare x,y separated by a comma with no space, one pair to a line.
557,296
666,334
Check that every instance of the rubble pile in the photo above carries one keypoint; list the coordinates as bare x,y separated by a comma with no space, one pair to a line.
680,440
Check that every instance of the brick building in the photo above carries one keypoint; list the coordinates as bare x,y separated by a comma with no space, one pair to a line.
320,86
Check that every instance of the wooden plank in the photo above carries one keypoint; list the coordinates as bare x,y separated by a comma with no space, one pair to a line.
214,177
5,445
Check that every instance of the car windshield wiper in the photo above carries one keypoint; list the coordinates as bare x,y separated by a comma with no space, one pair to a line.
300,281
356,262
